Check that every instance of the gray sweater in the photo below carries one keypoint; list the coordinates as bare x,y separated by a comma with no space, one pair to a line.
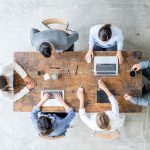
145,99
58,38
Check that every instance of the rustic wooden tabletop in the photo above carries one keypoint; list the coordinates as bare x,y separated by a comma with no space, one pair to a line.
32,62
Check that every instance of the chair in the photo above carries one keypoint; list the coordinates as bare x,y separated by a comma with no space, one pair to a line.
109,135
61,23
51,138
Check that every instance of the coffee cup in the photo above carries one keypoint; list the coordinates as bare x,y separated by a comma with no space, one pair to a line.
133,73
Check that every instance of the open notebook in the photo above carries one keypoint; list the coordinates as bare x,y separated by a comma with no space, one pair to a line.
51,101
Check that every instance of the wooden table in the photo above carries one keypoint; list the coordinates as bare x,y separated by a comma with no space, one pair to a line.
32,62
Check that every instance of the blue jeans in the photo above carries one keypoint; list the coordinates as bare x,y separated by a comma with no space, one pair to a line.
98,48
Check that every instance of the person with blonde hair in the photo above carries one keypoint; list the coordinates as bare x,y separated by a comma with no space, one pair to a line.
104,120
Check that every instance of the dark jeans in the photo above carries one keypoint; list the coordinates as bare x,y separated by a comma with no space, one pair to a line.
71,48
98,48
61,115
146,73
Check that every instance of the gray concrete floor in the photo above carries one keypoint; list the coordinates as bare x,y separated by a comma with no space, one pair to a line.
17,17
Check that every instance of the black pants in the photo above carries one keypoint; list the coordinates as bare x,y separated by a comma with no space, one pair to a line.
146,73
98,48
71,48
61,115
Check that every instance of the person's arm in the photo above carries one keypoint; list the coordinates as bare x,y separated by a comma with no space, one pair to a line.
23,75
120,41
36,109
20,94
19,70
120,46
34,115
112,99
70,116
144,101
144,64
90,54
14,97
72,38
82,113
70,112
91,40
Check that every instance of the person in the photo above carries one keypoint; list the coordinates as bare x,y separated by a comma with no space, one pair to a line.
105,37
51,41
104,120
6,81
51,125
145,99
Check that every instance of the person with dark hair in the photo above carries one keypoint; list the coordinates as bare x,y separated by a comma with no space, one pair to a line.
105,38
145,99
51,124
105,120
6,81
51,41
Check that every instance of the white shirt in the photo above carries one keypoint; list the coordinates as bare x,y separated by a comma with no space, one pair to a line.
116,38
116,121
8,71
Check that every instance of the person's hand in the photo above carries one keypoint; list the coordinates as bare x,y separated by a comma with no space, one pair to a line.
28,80
120,57
45,97
31,85
102,85
80,94
136,67
89,54
58,98
127,96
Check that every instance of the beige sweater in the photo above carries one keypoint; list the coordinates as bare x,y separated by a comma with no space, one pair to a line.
8,70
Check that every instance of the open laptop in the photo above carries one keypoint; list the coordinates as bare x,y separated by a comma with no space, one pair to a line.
51,101
105,65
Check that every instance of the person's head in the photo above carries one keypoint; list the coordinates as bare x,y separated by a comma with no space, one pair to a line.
103,121
105,32
45,49
44,125
3,83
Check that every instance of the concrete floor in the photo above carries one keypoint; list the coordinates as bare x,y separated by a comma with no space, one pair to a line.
19,16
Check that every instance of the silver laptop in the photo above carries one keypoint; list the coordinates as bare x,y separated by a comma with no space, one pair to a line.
51,101
105,66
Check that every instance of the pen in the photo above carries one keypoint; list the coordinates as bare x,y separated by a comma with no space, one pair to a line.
76,70
54,67
68,73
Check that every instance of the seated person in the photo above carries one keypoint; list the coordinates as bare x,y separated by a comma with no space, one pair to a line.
145,99
51,125
102,121
53,40
105,38
6,82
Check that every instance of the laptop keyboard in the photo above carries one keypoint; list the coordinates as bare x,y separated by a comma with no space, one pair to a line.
109,68
52,94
